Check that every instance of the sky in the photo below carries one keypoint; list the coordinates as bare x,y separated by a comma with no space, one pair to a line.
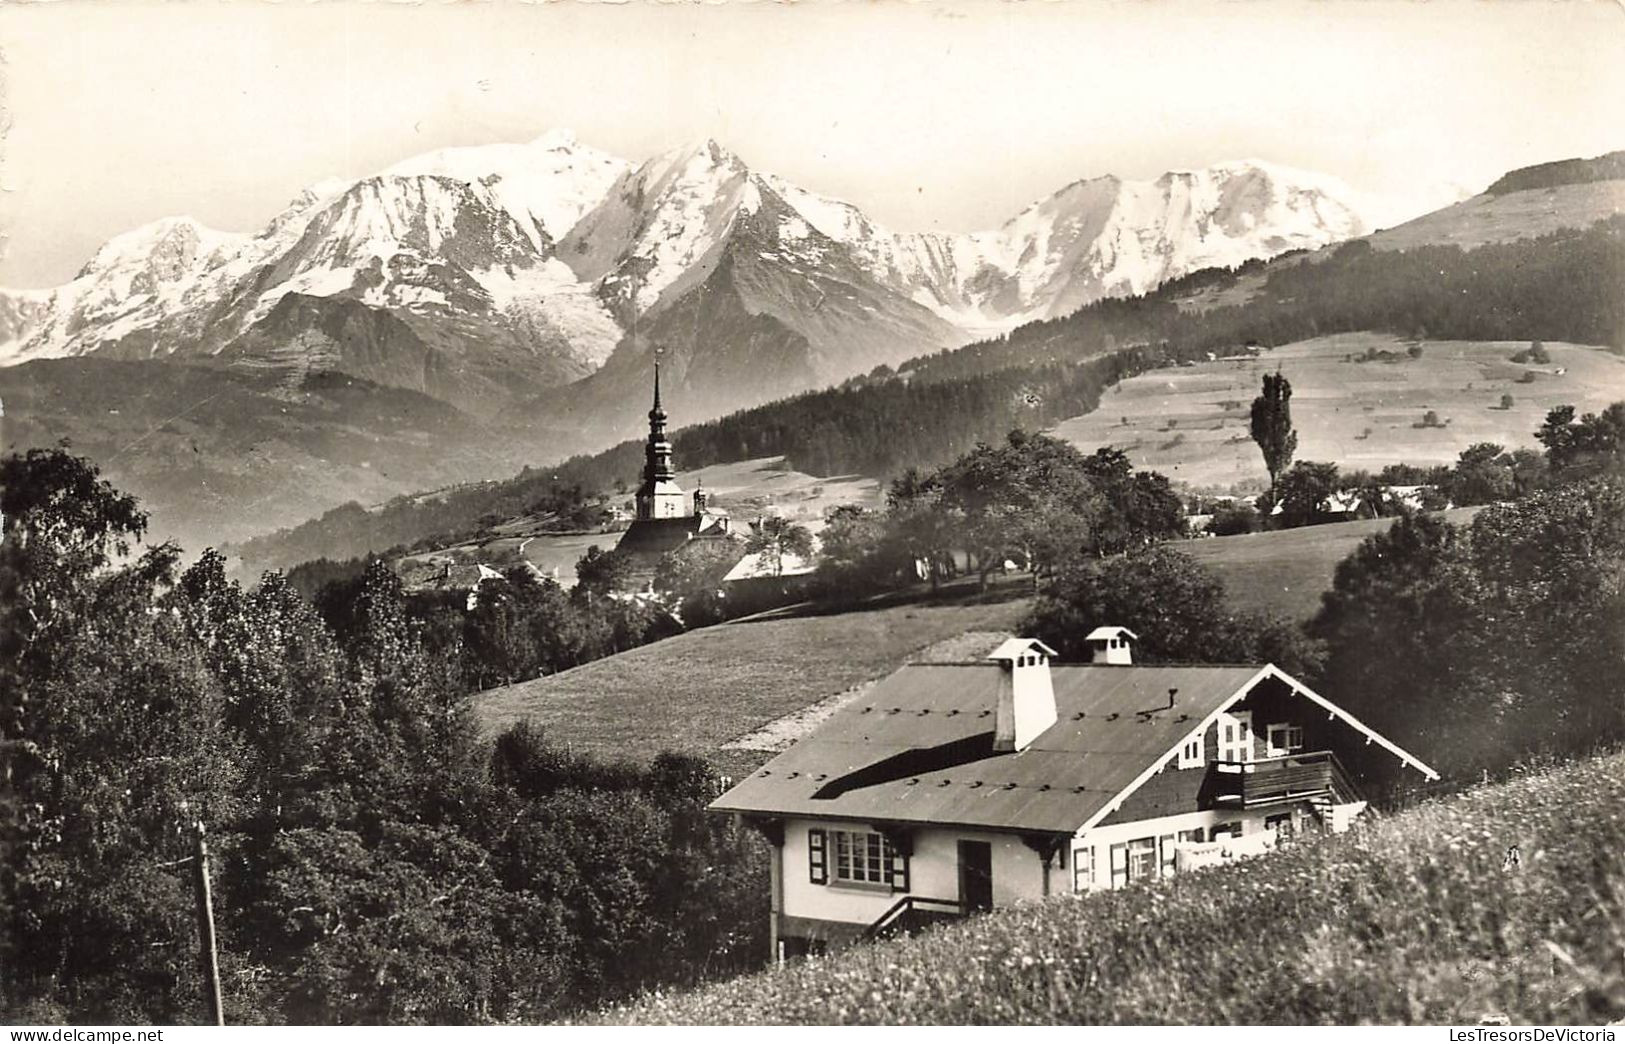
947,115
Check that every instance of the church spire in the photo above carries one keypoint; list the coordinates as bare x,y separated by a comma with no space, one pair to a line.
658,496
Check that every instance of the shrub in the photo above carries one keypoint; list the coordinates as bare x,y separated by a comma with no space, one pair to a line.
1234,518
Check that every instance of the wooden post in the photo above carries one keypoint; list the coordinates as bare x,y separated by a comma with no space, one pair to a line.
205,930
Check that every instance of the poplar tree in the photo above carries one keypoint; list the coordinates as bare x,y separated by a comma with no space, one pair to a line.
1272,426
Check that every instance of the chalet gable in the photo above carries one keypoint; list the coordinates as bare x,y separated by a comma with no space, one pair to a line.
967,743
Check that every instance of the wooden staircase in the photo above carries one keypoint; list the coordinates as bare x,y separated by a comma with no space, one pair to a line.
911,913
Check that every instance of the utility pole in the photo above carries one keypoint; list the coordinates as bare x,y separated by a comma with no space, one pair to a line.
205,929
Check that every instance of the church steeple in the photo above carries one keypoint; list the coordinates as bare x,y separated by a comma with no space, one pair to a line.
659,496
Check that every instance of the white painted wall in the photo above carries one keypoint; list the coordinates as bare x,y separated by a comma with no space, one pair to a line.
1101,839
933,873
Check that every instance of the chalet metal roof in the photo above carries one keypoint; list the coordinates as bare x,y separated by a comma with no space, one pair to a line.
919,747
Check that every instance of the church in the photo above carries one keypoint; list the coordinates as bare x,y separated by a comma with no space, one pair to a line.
664,519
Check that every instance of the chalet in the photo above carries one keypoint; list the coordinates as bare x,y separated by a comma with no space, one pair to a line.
951,788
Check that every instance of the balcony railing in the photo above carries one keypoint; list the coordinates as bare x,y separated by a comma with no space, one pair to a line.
1280,780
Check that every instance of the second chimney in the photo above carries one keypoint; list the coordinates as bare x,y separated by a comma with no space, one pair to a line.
1111,645
1026,695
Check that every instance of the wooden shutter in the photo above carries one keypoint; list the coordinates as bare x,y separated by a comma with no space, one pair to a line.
817,857
898,870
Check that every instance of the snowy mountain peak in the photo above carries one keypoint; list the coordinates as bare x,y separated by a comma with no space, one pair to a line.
557,139
553,247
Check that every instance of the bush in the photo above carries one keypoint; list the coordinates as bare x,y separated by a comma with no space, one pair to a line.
1234,518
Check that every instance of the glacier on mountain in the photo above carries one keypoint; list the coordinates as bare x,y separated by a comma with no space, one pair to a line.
552,247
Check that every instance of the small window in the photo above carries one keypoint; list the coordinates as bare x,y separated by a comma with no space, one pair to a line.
1083,869
1235,736
1287,739
1142,858
863,858
1221,831
1191,835
1192,755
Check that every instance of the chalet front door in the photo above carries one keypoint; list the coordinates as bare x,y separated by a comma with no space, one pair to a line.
976,875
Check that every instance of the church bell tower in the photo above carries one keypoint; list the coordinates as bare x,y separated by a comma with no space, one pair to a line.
659,496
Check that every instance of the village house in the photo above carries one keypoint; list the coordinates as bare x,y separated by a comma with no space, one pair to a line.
952,788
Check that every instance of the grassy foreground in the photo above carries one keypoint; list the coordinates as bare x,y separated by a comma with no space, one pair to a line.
1415,918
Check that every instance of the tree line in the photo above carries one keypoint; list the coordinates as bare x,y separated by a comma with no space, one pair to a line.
376,861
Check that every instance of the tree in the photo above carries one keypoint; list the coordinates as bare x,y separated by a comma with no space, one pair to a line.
1232,518
1176,606
1272,426
1551,572
856,555
1304,491
114,739
1030,499
599,572
773,537
1139,507
691,576
1506,401
1482,475
1592,445
921,525
1398,627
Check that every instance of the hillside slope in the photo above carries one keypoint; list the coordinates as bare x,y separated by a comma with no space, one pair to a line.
1285,571
1192,422
700,690
217,454
1412,919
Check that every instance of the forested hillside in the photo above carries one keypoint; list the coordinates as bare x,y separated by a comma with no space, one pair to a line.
875,427
1608,167
1564,286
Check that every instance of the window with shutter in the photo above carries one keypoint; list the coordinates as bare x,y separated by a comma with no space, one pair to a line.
899,870
1083,869
1119,865
817,857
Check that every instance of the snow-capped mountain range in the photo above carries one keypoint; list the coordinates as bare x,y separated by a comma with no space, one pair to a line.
492,276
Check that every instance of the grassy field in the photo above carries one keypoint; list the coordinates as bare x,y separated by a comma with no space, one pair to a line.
699,690
1411,919
1284,572
1191,423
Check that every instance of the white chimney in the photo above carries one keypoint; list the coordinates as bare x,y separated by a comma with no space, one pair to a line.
1026,696
1111,645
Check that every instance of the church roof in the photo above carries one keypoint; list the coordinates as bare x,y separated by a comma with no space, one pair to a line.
656,536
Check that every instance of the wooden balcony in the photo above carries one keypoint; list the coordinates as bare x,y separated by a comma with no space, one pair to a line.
1313,776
